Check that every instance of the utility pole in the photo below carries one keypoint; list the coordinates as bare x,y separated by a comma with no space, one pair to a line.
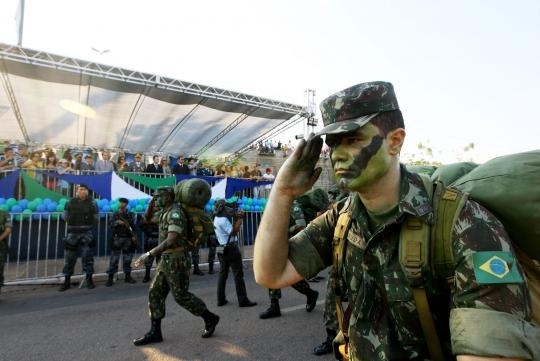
19,18
310,110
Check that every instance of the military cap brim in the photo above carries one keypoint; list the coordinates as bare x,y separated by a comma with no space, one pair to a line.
347,125
123,200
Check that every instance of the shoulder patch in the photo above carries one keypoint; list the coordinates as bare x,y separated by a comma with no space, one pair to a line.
175,214
496,267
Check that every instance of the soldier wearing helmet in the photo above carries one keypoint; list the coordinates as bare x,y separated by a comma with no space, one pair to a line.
172,273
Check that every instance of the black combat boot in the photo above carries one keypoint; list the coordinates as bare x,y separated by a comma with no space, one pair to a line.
210,268
129,279
210,322
90,282
110,280
326,347
66,284
272,311
152,336
146,275
197,271
311,300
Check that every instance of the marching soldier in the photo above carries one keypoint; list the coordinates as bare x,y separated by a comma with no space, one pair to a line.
172,273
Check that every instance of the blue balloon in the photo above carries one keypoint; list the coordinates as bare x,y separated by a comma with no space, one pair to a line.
16,208
208,208
106,208
41,208
23,203
2,200
51,207
47,200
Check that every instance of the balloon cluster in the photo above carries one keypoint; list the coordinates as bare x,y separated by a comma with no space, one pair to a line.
46,208
244,203
35,209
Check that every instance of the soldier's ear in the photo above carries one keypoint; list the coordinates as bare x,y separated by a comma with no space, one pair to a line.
395,139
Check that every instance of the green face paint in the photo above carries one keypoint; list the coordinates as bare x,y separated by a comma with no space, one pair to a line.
359,165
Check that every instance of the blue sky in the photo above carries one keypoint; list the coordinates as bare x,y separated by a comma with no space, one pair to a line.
464,71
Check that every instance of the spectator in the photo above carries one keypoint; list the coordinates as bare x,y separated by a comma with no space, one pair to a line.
104,164
63,167
138,165
192,165
21,155
180,167
8,162
50,165
34,166
154,167
88,165
121,164
165,167
267,177
77,164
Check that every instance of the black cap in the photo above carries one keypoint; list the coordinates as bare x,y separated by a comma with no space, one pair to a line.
123,200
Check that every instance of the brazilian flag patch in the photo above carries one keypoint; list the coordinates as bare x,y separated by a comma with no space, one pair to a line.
496,267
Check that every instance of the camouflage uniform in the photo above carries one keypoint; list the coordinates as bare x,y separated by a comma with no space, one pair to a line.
384,324
172,273
5,223
297,220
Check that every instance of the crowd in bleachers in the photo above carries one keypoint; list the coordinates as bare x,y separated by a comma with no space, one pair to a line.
38,163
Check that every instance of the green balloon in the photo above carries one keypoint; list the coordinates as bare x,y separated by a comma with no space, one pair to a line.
26,214
32,206
11,201
60,207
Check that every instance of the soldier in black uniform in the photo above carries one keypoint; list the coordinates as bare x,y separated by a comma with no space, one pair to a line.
172,274
80,213
124,241
5,230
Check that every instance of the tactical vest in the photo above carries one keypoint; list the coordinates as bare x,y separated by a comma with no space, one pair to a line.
81,212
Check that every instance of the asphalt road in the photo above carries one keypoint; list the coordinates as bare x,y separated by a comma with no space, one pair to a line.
40,323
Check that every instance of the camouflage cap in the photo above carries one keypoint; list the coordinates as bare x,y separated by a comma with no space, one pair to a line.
352,108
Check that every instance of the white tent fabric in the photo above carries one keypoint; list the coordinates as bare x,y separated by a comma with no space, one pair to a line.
55,100
119,188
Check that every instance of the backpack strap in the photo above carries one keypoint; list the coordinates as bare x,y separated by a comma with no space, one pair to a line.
339,246
419,242
447,205
342,226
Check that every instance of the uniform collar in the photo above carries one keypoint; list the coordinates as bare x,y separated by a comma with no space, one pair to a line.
413,198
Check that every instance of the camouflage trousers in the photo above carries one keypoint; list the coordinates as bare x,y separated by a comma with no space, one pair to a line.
127,257
172,274
3,259
302,287
330,316
87,254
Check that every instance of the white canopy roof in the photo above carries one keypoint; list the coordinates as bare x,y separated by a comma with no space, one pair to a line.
50,99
